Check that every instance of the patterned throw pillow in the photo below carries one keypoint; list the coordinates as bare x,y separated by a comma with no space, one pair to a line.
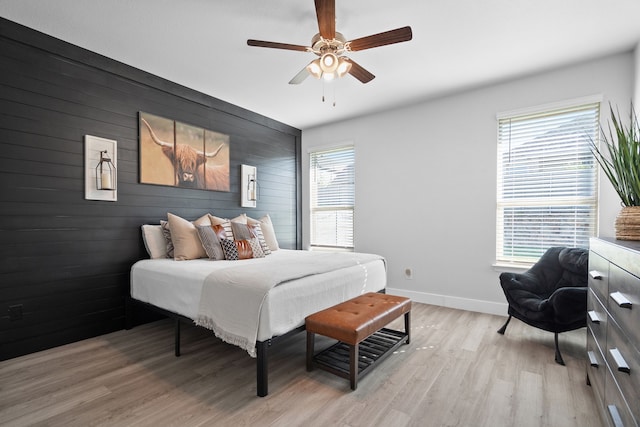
215,220
244,249
256,248
257,230
242,231
166,232
210,242
267,230
230,250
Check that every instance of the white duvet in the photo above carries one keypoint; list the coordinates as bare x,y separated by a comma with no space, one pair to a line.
177,286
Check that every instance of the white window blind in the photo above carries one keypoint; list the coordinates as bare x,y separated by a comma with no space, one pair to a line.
332,197
547,182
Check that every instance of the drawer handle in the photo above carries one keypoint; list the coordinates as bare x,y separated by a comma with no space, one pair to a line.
621,364
593,316
621,300
596,275
592,359
615,416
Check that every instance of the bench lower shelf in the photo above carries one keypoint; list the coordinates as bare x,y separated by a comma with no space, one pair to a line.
371,351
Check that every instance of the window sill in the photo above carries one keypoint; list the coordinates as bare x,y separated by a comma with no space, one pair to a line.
510,267
329,249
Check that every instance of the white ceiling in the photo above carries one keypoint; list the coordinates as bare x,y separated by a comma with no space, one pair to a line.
457,45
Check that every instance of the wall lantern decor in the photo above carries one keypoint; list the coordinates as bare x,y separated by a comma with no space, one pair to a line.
249,186
106,174
100,170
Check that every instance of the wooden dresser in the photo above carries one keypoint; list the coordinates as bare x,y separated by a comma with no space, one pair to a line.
613,329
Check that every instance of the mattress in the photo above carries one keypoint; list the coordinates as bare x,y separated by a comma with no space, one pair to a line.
176,286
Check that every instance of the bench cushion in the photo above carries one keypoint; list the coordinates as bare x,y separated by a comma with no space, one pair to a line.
354,320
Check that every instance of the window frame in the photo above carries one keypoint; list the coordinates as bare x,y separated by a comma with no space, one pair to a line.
314,243
593,104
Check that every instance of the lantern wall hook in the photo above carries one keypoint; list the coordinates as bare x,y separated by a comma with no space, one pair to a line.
100,169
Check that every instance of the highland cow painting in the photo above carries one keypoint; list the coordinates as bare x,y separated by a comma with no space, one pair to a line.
177,154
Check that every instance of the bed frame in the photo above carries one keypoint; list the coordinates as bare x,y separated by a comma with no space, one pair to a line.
262,347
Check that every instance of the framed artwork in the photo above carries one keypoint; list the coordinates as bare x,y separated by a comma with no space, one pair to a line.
181,155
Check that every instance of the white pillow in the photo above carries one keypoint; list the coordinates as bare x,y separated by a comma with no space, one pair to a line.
154,241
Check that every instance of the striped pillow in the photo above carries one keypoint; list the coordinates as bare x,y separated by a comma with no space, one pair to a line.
210,242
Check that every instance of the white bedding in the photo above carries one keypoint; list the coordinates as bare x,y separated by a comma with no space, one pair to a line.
176,286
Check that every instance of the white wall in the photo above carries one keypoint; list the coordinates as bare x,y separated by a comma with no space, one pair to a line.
636,95
426,180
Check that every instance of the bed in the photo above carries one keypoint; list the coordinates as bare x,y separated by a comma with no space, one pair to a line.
184,290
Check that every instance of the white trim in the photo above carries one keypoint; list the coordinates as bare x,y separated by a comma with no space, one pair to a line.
337,146
481,306
591,99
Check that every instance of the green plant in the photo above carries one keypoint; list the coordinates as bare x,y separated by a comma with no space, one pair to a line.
620,160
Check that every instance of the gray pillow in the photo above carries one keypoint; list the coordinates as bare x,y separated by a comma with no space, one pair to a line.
210,242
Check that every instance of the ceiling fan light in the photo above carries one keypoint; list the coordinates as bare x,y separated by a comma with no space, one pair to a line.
314,68
344,66
328,76
329,62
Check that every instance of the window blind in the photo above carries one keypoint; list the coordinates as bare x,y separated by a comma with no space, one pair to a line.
547,182
332,197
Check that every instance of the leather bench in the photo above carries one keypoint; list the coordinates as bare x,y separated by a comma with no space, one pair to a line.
359,326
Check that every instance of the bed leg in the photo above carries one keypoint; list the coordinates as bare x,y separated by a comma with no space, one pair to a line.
177,338
262,374
407,326
128,313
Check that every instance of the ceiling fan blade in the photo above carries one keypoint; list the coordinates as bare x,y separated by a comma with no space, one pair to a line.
300,77
381,39
276,45
326,13
359,73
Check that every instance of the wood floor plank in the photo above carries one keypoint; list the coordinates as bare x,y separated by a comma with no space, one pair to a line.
457,371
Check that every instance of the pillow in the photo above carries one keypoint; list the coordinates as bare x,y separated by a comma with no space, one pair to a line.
230,250
267,230
236,249
154,241
241,231
242,218
184,236
256,248
214,220
166,232
257,231
244,249
210,241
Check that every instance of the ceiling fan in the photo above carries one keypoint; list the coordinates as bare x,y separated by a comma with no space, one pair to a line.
330,46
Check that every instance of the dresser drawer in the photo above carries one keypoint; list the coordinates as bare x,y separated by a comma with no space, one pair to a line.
624,362
624,302
599,276
615,406
596,367
596,318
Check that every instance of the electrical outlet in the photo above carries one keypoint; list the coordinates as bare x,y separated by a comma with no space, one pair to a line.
408,273
15,312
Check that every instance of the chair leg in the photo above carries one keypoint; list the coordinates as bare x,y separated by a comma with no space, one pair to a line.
558,354
504,327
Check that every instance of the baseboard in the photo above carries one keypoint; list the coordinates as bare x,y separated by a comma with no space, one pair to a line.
453,302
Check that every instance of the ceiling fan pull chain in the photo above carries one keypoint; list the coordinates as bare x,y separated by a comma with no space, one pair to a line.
334,94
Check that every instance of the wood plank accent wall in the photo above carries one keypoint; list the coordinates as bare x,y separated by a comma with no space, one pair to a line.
64,260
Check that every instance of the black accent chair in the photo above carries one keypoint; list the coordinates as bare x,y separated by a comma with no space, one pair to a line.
552,294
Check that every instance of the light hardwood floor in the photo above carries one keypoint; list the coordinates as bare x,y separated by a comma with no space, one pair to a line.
457,371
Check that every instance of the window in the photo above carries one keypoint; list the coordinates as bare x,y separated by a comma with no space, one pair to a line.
332,198
547,181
